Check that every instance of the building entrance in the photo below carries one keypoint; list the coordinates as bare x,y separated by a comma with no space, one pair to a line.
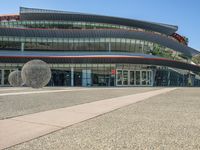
77,78
134,78
60,78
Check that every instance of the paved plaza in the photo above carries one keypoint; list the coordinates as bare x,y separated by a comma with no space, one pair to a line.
22,101
100,118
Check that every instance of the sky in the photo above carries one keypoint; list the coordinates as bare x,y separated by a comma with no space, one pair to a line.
183,13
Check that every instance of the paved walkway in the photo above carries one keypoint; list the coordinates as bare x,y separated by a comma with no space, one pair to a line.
20,129
14,103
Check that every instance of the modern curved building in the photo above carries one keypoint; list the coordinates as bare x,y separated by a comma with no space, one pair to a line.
94,50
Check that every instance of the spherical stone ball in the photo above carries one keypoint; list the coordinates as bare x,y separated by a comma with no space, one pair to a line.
36,73
15,78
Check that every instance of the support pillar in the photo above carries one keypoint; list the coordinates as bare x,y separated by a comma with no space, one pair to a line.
2,77
169,73
72,76
152,77
22,47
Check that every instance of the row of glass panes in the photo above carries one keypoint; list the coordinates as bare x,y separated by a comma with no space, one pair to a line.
74,44
73,40
30,10
75,23
119,66
115,43
116,66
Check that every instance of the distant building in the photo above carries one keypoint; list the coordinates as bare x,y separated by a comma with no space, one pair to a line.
94,50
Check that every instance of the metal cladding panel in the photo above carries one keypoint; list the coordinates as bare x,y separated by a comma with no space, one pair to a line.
102,60
108,33
158,27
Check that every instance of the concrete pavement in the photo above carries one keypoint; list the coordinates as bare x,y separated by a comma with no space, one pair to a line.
22,101
38,124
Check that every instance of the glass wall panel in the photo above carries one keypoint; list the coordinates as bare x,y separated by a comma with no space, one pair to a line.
137,77
132,46
90,45
10,45
67,25
1,76
132,77
144,76
6,74
125,77
119,77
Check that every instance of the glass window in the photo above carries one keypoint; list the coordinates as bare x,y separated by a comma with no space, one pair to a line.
125,77
137,77
119,77
132,77
144,76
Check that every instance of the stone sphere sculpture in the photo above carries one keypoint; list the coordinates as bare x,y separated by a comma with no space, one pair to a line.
36,73
15,78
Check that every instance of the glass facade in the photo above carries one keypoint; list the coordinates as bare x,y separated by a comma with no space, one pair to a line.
134,78
111,75
83,75
4,73
165,77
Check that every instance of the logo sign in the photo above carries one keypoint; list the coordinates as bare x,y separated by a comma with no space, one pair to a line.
113,72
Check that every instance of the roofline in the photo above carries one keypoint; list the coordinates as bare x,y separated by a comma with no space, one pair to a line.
25,10
69,12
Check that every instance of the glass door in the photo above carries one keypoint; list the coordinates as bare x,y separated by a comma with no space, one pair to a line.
144,77
149,78
6,74
137,77
122,78
132,77
77,78
125,77
119,77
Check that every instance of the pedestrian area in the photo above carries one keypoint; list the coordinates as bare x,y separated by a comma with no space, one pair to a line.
156,118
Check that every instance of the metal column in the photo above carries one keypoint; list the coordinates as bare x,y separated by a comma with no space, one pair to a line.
168,77
22,47
2,77
72,76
